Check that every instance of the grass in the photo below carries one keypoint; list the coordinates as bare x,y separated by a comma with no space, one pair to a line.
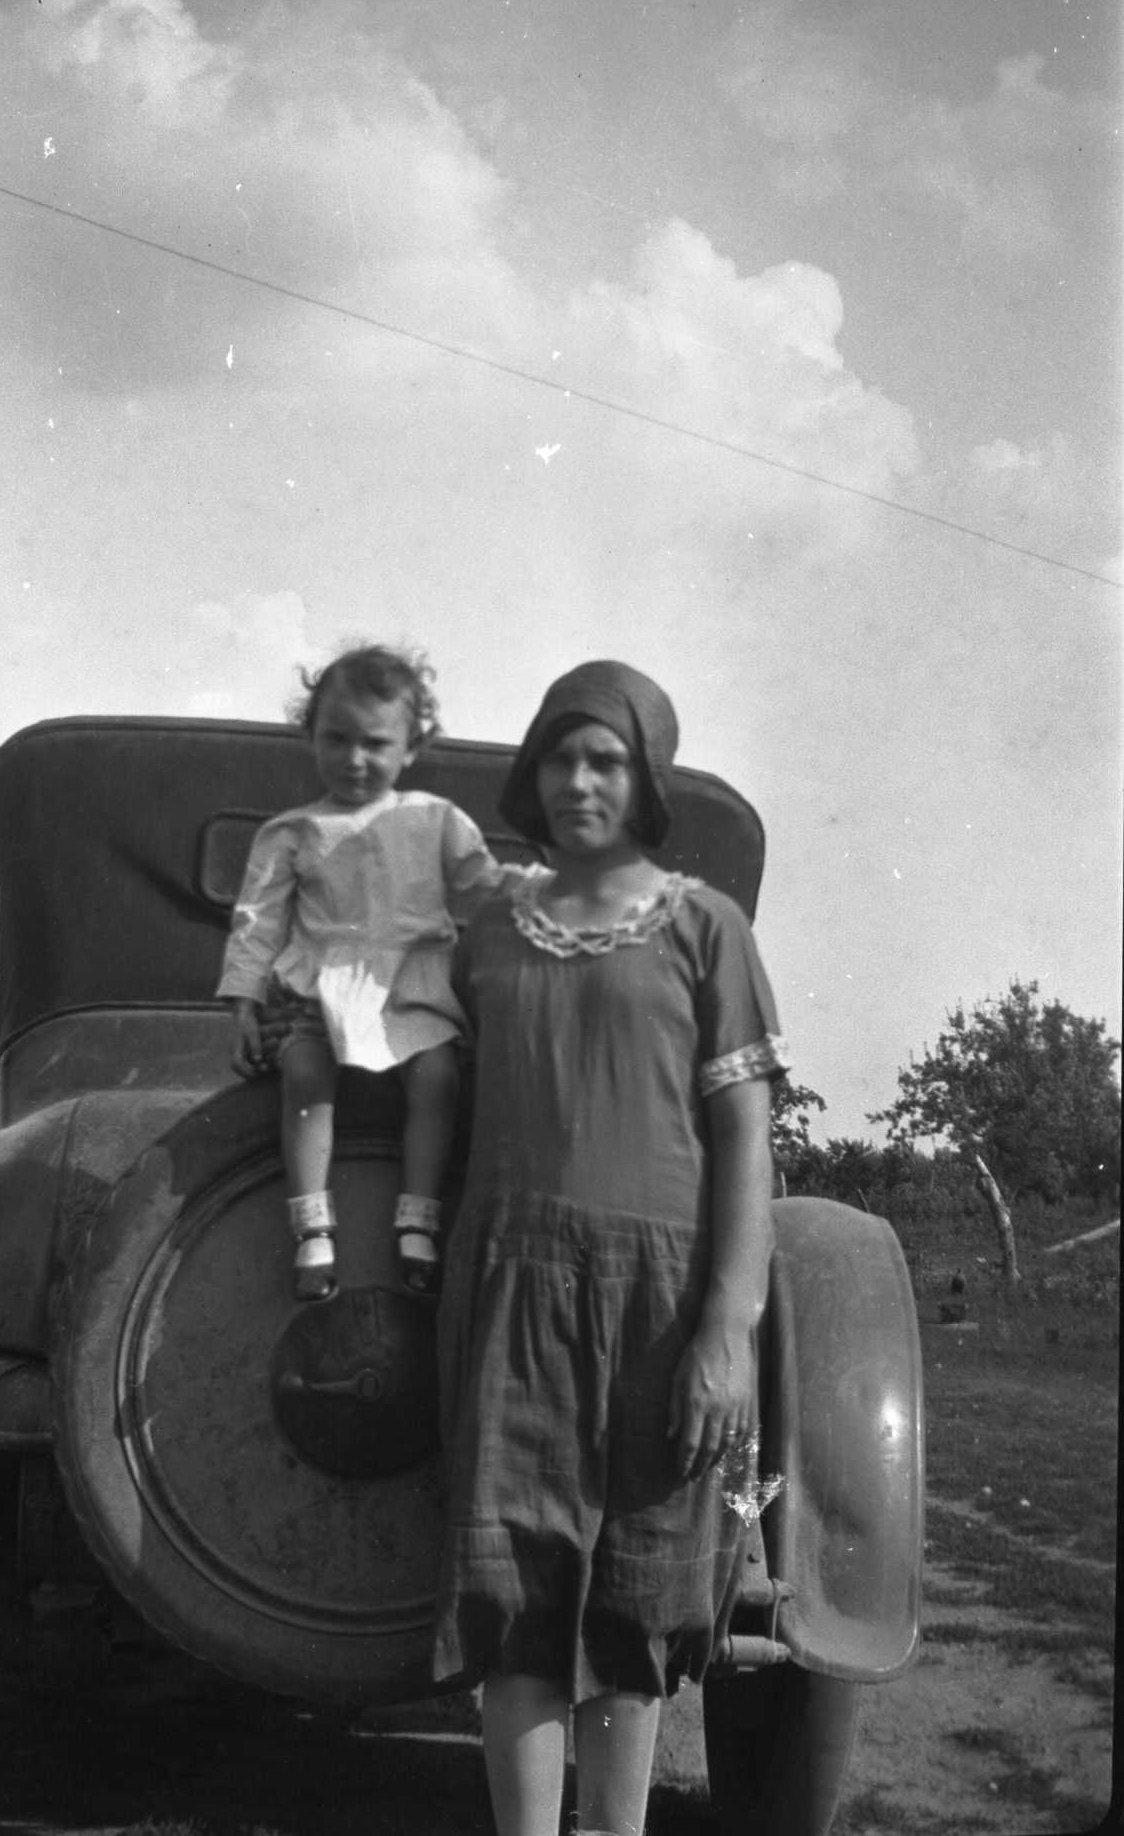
1025,1429
872,1810
1021,1445
189,1828
1030,1787
1021,1431
1020,1578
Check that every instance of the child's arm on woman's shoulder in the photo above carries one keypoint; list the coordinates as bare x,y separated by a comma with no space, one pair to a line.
472,872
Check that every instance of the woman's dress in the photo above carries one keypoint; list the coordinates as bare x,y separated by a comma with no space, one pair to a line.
574,1278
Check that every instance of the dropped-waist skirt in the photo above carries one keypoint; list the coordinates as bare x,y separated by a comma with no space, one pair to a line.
573,1549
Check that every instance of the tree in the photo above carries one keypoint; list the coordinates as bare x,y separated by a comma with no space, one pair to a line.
1025,1090
792,1141
1031,1086
853,1168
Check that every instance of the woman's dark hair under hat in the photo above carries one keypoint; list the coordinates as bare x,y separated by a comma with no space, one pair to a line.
616,696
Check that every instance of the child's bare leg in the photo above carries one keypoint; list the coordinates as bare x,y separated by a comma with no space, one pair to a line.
308,1091
431,1082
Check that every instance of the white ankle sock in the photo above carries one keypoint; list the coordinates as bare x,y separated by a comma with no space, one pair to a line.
310,1212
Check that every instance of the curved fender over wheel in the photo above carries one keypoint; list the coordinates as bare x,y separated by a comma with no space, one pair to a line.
258,1479
57,1166
778,1743
844,1426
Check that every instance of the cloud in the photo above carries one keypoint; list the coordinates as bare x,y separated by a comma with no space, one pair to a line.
247,653
746,360
799,84
1046,495
382,481
224,660
302,148
834,122
1002,458
152,53
298,150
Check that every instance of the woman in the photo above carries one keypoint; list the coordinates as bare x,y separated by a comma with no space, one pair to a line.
607,1270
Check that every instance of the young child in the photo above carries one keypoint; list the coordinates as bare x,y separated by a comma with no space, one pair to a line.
348,904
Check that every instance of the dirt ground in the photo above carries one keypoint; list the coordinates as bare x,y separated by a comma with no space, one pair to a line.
968,1741
973,1740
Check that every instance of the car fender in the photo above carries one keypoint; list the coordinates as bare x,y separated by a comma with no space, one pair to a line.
844,1429
57,1168
32,1159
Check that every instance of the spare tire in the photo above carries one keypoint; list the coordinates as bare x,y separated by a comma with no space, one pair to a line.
260,1484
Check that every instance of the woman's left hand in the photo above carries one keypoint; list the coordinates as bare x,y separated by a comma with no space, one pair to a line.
711,1400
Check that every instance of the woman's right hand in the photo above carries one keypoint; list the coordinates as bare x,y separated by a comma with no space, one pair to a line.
247,1055
711,1399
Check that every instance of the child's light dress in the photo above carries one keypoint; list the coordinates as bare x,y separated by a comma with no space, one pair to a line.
355,909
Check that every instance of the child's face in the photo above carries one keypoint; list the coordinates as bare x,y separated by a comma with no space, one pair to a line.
361,745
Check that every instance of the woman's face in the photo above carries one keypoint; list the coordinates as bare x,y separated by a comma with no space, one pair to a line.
587,786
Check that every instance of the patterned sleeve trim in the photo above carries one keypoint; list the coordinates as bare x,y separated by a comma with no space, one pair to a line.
764,1058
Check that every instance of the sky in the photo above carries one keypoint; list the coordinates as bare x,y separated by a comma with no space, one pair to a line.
773,348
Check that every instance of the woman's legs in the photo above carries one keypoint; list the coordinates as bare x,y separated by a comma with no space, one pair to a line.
614,1741
431,1081
308,1092
525,1721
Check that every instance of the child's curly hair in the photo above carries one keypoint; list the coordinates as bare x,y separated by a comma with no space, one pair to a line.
374,670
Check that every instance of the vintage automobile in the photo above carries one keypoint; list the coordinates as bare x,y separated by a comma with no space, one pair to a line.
261,1481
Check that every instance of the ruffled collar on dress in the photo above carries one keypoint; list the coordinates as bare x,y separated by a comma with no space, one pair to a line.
643,919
